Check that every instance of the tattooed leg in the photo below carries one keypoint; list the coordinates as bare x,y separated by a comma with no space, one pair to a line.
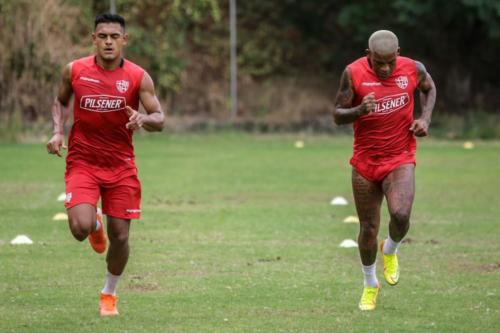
399,190
368,198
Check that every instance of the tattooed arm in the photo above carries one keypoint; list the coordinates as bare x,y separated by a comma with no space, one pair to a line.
427,100
344,112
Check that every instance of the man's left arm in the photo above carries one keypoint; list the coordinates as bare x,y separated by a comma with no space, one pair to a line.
427,89
154,118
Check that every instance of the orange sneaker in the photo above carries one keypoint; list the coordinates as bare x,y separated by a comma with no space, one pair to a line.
97,239
107,305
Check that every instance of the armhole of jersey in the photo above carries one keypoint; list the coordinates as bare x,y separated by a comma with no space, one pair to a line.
139,81
416,73
143,75
72,72
354,79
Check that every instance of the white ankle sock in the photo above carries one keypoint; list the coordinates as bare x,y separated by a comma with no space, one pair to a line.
370,275
390,246
110,285
98,224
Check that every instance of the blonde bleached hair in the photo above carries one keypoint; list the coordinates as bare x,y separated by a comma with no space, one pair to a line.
383,42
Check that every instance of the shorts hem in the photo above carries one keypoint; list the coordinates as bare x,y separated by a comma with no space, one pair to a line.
135,216
71,205
355,164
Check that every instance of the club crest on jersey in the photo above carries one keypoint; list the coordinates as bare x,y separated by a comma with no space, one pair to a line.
402,81
122,85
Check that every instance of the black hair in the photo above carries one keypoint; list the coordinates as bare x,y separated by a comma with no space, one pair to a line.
109,18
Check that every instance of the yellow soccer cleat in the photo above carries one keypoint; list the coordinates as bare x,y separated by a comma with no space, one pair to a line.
368,300
391,266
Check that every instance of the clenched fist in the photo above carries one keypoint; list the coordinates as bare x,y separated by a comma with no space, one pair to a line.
368,104
419,127
55,144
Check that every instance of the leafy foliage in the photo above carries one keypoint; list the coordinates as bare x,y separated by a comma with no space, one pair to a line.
34,38
184,45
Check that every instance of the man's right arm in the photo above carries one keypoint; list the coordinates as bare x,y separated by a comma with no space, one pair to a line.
344,112
60,112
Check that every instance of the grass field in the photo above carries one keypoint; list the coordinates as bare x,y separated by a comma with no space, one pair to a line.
238,235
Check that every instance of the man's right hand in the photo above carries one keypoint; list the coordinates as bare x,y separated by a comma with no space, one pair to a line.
55,144
368,104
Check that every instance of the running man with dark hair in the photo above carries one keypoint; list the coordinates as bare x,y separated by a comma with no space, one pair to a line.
100,163
376,95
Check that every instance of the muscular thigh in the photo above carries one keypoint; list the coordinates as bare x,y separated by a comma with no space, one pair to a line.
399,189
82,216
368,198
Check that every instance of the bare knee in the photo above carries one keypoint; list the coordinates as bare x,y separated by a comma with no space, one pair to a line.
400,217
118,239
368,234
79,229
81,220
399,225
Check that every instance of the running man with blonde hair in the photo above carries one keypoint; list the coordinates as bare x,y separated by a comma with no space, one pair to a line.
376,95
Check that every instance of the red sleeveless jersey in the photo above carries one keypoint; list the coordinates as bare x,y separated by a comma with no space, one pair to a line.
98,136
384,133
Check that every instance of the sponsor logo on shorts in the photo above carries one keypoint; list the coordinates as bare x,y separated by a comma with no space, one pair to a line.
68,197
402,81
89,79
133,211
391,103
102,103
122,85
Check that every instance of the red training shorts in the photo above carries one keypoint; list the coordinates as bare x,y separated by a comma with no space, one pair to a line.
120,190
376,170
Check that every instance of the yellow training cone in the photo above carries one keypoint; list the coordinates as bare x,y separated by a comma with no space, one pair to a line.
299,144
351,219
60,217
468,145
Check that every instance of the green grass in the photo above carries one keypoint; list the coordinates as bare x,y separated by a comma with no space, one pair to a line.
237,235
